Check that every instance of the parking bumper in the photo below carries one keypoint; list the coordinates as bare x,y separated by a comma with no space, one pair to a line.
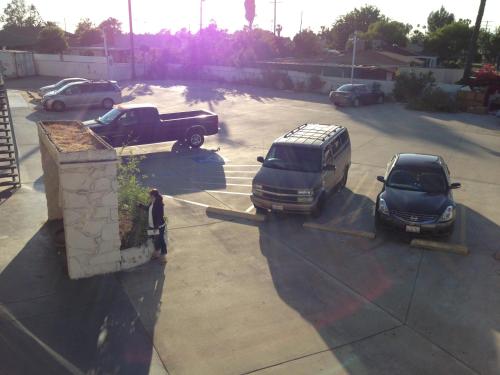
435,228
298,208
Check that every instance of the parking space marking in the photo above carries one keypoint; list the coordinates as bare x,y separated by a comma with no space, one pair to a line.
463,226
185,201
348,201
355,233
241,165
219,183
249,208
227,192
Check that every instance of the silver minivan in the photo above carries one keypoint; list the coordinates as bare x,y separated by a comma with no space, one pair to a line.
83,94
301,169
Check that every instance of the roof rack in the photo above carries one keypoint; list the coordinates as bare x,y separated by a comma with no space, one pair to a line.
312,134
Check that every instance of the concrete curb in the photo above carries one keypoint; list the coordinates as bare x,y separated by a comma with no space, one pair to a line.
236,214
440,246
354,233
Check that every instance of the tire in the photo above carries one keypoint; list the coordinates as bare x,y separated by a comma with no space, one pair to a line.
343,182
108,103
195,138
380,100
316,212
355,102
260,211
58,106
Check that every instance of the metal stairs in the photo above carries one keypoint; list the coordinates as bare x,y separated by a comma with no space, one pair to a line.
9,159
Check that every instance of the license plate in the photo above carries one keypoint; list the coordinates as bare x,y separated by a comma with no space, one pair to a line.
412,229
277,207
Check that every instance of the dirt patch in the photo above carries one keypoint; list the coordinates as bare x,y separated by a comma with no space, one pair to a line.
125,226
72,137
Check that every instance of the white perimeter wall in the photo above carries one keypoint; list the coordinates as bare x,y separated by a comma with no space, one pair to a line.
91,67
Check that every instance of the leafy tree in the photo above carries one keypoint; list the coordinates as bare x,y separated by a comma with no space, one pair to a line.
112,28
417,37
356,20
473,41
250,12
87,34
18,14
51,40
391,32
307,44
449,42
438,19
489,45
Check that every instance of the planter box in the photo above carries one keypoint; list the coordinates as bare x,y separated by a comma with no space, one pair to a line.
81,188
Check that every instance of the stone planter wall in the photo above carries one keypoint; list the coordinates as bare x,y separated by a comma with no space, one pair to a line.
81,188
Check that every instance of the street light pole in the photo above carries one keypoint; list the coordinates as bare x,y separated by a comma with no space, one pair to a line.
201,15
274,17
353,56
132,56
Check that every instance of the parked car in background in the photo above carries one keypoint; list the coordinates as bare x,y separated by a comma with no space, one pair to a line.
355,95
59,85
134,124
417,195
301,169
83,94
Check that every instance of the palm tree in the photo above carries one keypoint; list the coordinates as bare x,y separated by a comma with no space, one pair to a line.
473,42
250,12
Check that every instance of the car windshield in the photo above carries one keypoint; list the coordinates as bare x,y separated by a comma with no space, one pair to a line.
110,116
345,88
303,159
424,181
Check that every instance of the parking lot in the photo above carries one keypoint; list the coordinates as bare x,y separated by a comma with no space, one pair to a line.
276,297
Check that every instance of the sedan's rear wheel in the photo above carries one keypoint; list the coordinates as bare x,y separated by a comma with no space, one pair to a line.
108,103
58,106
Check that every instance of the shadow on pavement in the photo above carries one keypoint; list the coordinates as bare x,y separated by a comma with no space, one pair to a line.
184,170
52,325
448,300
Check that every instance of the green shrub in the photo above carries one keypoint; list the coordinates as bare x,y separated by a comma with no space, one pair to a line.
133,219
409,86
315,83
434,99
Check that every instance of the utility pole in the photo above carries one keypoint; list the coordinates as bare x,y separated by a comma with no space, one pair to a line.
274,17
301,16
132,56
353,56
201,15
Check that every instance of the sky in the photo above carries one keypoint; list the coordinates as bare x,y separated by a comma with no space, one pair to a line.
154,15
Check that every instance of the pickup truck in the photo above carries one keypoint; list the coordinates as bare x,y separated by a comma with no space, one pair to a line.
136,124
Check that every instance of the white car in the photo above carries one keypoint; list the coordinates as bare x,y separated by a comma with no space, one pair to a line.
59,85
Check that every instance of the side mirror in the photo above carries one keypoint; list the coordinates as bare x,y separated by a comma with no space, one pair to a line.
260,159
381,179
456,185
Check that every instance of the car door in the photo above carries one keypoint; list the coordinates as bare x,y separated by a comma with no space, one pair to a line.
125,129
72,95
328,174
339,156
364,94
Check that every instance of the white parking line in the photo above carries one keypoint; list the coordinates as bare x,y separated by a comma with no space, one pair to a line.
239,171
186,201
242,165
249,208
220,183
226,192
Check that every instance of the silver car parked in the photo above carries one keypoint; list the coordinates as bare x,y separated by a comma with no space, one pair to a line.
83,94
59,85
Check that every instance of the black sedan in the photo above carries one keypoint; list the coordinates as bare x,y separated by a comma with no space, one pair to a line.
417,195
355,95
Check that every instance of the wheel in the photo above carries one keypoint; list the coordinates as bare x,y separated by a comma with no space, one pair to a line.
260,211
356,102
108,103
195,138
58,106
380,100
316,212
343,182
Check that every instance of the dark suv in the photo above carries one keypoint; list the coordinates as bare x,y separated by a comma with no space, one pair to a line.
417,195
